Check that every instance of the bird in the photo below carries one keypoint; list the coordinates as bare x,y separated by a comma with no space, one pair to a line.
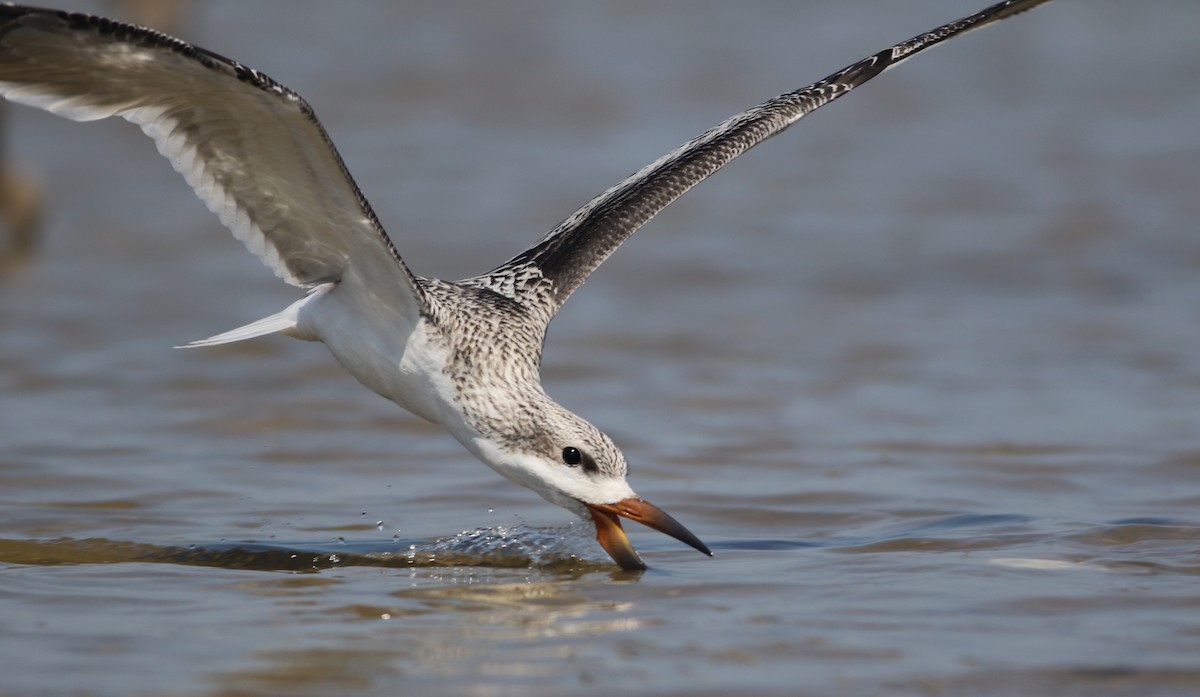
464,354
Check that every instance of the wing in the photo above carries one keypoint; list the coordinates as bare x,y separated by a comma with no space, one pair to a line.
252,149
545,275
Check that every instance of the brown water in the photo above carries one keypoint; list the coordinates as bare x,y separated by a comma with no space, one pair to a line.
924,371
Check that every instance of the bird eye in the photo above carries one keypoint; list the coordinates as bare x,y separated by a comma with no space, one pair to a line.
572,456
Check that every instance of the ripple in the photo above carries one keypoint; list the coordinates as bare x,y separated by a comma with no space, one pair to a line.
1136,531
519,546
947,533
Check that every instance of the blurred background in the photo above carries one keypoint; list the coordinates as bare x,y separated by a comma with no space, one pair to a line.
922,370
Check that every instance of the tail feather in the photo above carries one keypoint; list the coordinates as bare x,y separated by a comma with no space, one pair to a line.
284,321
278,322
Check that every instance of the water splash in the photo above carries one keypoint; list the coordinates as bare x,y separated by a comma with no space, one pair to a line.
510,546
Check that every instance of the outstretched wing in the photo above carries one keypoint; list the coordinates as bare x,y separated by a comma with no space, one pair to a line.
544,276
252,149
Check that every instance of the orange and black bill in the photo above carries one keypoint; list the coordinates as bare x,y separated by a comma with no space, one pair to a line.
612,538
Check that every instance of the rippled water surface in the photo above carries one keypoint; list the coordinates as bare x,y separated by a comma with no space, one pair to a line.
923,371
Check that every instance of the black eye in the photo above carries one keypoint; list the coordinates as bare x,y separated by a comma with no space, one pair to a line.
572,456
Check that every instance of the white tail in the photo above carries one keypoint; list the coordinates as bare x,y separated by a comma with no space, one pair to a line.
268,325
284,321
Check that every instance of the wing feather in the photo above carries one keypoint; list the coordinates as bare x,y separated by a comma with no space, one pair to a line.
545,275
252,149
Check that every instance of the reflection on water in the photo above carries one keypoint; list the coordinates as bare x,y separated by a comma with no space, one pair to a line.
922,371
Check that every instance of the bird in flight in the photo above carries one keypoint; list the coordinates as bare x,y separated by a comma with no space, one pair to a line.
464,354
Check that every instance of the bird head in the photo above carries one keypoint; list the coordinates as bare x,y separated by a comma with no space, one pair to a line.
572,464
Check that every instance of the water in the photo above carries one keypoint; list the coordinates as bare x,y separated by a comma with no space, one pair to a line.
922,371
